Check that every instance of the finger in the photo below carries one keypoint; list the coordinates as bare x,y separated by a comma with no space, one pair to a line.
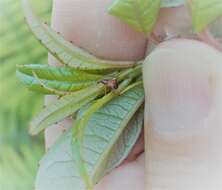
127,177
183,87
88,25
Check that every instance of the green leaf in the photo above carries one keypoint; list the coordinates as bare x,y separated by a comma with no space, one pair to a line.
64,107
44,71
52,86
78,134
80,124
108,138
139,14
65,51
204,12
172,3
31,83
117,115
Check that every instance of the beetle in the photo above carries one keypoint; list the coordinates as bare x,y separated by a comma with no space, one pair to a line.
110,83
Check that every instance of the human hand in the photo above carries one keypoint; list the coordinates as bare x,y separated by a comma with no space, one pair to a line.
87,24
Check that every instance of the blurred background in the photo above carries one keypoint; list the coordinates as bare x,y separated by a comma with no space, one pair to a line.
19,152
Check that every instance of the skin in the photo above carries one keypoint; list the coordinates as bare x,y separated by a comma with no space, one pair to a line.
173,22
106,37
183,80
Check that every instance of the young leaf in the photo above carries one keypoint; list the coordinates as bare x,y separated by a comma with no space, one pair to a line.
80,124
31,83
65,51
204,12
104,145
172,3
140,14
117,115
52,86
78,134
44,71
64,107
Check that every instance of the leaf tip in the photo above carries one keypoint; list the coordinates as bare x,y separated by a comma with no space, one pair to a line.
32,130
18,66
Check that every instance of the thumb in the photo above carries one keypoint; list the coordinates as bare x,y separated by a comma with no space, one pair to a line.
183,87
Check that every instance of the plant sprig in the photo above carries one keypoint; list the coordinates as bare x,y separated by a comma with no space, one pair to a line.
91,87
108,138
77,83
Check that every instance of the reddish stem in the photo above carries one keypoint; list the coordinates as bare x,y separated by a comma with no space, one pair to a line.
207,37
155,38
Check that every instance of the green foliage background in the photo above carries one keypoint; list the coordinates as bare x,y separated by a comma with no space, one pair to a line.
19,153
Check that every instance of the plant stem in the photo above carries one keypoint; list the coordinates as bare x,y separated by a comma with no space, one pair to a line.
130,73
137,83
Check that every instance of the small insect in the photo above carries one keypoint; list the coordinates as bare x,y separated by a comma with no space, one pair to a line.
111,83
